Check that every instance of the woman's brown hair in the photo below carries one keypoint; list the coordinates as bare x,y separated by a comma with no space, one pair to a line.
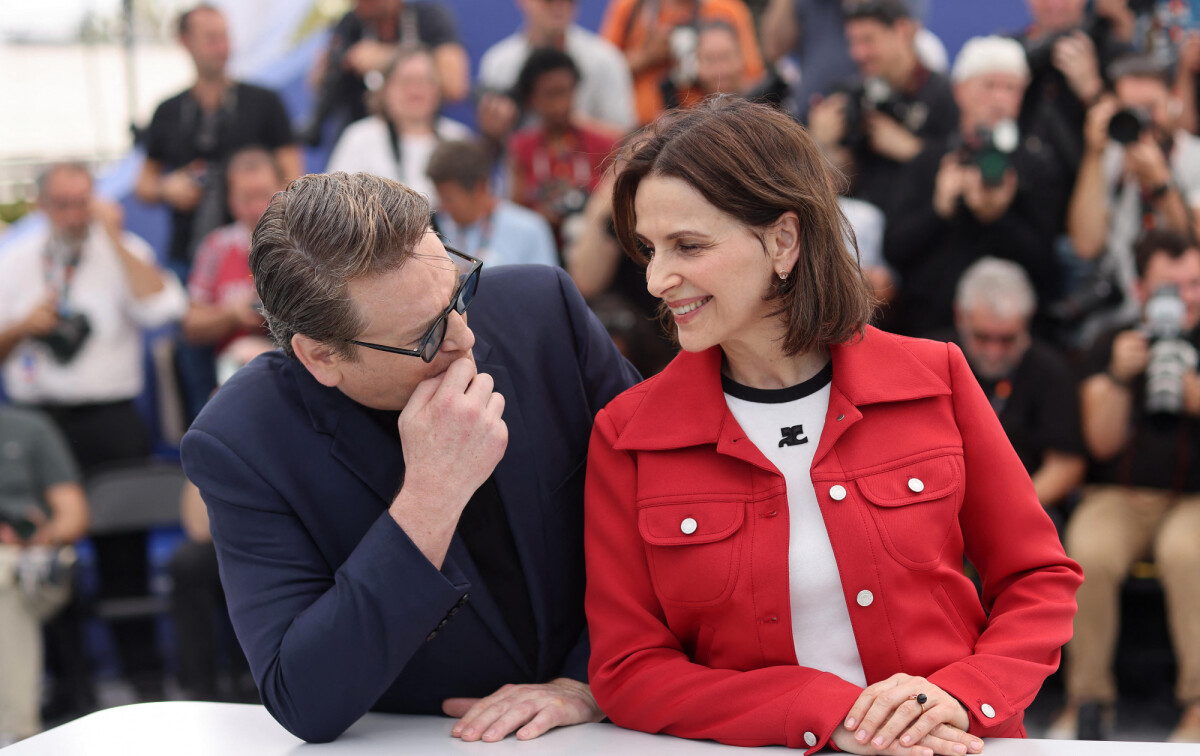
754,163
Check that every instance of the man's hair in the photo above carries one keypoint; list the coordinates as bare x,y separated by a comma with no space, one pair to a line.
540,62
463,162
886,12
754,163
323,232
185,18
1159,241
988,55
250,159
52,170
1140,67
1000,286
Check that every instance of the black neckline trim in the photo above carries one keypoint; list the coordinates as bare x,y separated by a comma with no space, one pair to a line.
779,396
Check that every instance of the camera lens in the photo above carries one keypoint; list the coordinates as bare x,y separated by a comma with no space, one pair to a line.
1126,126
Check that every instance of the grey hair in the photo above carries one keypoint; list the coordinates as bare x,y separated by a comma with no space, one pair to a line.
66,166
1002,286
326,230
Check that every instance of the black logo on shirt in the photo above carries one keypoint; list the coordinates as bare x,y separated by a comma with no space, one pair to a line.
793,436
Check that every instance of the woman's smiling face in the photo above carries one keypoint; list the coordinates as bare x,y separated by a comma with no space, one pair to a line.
712,271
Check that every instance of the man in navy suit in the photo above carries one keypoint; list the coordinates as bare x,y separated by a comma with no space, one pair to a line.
396,498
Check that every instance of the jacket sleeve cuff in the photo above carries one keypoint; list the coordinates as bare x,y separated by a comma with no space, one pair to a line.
817,710
987,707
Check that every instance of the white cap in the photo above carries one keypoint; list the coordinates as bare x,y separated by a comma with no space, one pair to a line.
986,55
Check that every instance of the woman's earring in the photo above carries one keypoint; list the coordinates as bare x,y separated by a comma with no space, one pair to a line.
783,275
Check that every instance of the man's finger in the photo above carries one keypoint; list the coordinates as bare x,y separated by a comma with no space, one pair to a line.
518,713
547,719
458,707
481,387
458,376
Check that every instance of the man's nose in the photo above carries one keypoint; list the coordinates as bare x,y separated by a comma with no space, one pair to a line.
459,336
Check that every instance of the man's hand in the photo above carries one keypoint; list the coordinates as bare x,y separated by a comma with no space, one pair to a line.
497,116
1130,356
535,709
1189,53
827,120
452,433
181,190
1146,161
109,215
887,719
889,138
368,55
1075,56
1095,128
947,190
42,319
988,203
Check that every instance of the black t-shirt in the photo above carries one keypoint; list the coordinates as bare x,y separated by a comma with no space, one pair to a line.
1038,406
180,133
426,23
1163,451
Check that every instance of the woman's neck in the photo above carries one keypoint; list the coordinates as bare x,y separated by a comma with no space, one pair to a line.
772,370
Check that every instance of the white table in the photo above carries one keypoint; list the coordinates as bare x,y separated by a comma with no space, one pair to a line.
181,728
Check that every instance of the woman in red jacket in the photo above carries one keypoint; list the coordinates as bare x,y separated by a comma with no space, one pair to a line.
776,523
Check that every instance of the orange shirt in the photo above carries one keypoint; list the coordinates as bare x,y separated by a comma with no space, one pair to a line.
631,34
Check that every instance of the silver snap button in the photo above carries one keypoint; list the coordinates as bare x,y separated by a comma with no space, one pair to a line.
688,526
865,598
988,711
837,493
916,485
810,739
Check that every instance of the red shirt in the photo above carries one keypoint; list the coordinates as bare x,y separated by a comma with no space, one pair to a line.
221,272
550,175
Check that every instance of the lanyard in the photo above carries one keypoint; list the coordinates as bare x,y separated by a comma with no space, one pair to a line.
58,271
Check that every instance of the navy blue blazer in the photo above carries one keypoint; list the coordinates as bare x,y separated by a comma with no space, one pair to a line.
338,612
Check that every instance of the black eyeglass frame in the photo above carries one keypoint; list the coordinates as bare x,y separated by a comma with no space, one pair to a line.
427,349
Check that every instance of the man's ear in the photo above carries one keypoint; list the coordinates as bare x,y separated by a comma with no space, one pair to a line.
783,242
320,359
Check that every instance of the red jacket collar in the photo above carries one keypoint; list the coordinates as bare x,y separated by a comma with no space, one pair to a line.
684,405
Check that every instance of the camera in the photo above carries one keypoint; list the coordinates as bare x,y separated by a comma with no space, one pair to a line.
991,151
875,94
1039,53
1099,291
68,336
22,525
1127,125
1171,356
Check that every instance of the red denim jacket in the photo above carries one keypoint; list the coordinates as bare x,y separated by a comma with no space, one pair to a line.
691,631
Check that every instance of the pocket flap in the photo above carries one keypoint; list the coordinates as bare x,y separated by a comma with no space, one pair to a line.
920,481
707,521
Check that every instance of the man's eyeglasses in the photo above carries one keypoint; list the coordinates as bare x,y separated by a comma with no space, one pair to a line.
431,342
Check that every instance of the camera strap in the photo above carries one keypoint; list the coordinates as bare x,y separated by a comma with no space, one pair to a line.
58,272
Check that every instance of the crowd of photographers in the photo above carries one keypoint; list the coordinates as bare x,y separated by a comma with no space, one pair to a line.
1035,200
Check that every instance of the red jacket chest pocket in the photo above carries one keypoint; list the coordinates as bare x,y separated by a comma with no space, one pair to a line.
693,548
915,506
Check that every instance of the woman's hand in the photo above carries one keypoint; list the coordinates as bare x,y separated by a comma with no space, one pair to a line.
943,741
887,714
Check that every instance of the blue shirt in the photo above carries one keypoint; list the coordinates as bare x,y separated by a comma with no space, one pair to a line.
510,235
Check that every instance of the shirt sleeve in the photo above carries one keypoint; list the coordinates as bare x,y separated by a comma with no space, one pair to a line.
202,281
436,25
276,125
158,133
162,307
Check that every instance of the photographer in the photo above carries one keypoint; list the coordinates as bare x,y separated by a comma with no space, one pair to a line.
992,194
658,38
555,164
42,512
898,110
1139,171
1140,405
1069,51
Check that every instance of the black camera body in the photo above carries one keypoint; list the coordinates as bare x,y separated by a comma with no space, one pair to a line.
68,336
991,151
1039,53
1127,125
873,95
21,525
